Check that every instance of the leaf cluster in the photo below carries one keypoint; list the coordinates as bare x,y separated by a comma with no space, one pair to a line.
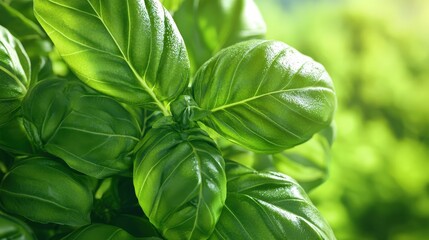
158,130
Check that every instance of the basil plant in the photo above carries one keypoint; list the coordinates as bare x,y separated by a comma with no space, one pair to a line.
148,119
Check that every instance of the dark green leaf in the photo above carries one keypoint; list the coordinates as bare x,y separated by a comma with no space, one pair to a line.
207,26
29,33
180,182
131,49
265,95
99,231
14,229
15,75
25,7
136,225
6,161
14,138
47,191
267,205
92,133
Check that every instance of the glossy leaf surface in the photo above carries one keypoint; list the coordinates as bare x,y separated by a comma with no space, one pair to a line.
265,95
207,26
130,49
93,133
14,229
267,205
15,75
46,191
99,231
180,182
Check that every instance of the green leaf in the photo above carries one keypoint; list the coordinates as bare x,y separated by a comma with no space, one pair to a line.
6,161
267,205
28,32
99,231
130,50
264,95
171,5
136,225
207,26
15,75
307,163
14,229
46,191
92,133
14,138
180,182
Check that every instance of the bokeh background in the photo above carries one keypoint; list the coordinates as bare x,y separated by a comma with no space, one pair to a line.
377,53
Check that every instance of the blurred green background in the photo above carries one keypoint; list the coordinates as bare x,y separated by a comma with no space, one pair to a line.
377,53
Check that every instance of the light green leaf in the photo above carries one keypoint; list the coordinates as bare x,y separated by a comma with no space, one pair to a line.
15,75
130,50
264,95
307,163
171,5
92,133
99,231
46,191
180,182
267,205
14,229
207,26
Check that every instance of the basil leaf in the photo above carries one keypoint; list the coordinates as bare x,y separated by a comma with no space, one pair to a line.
14,138
14,229
171,5
6,161
99,231
29,33
15,75
92,133
307,163
46,191
130,50
267,205
180,182
264,95
208,26
136,225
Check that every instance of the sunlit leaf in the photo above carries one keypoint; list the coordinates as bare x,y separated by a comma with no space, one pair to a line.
171,5
180,182
130,50
267,205
264,95
15,75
